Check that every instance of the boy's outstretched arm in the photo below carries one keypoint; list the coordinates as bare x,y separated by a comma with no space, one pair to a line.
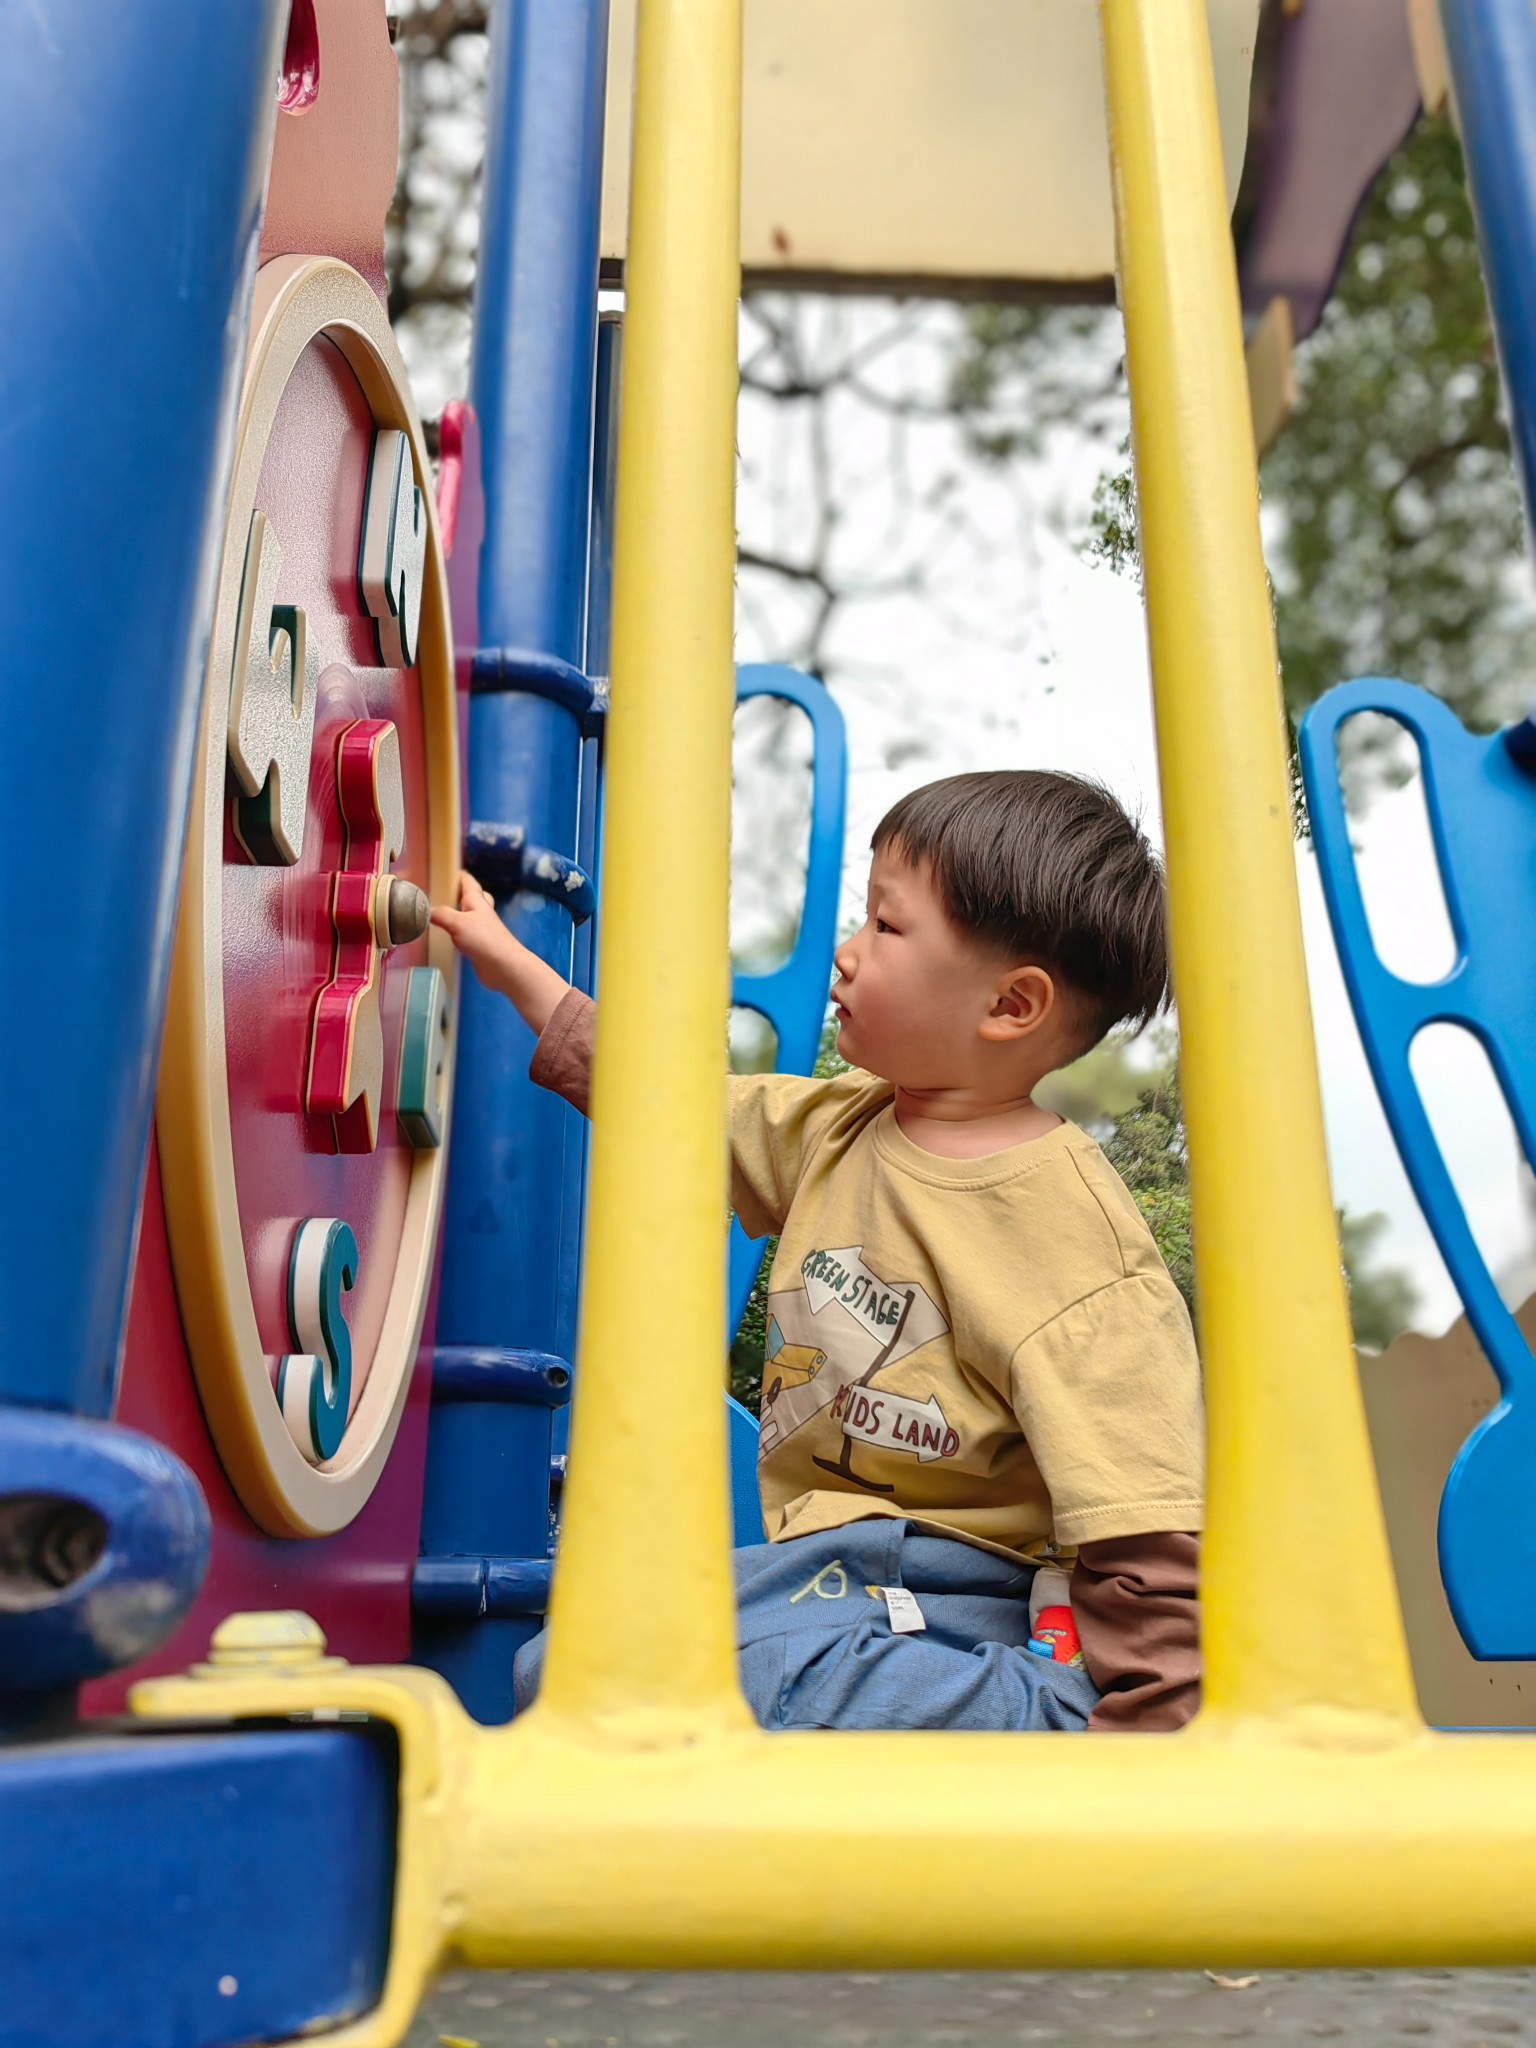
559,1015
501,962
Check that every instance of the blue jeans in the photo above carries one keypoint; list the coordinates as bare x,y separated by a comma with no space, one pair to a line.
817,1649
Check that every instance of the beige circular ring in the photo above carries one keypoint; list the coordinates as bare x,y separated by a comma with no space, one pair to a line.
297,298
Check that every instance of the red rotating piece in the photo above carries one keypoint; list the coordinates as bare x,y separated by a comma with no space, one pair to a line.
371,911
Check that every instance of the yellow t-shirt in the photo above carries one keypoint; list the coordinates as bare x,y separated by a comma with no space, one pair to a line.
989,1347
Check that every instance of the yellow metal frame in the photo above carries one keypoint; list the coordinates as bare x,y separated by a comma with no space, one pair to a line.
636,1816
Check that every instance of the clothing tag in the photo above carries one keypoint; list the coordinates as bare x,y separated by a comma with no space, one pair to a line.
901,1606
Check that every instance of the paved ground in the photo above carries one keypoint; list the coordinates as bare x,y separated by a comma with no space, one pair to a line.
1424,2008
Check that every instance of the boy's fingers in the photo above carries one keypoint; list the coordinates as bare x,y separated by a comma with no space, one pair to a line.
471,895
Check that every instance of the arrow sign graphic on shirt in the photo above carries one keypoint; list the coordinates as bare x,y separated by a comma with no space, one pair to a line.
895,1422
861,1324
840,1278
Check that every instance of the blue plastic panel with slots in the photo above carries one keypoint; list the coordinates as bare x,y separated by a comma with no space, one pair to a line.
793,997
1481,797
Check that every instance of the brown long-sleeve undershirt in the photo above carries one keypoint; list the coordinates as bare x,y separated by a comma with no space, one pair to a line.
1134,1598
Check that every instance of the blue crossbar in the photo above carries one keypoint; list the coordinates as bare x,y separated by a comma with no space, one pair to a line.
193,1891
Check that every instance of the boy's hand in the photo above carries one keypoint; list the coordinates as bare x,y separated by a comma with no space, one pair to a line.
501,963
478,932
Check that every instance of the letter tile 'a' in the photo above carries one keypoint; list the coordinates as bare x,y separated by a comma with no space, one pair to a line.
272,695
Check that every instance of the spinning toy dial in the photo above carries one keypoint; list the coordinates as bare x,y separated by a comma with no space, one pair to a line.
309,1038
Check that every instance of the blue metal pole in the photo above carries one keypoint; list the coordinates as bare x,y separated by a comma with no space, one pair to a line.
133,156
535,346
1492,48
515,1185
605,445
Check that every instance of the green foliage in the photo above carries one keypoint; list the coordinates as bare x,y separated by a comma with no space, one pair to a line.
1112,537
1020,372
1110,1079
1382,1299
744,1370
1398,539
1393,523
1147,1149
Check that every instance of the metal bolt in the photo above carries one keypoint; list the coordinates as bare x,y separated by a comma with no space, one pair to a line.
272,1644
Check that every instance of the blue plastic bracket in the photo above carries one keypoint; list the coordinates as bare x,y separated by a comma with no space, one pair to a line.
793,997
497,671
480,1372
103,1545
1482,812
474,1588
504,863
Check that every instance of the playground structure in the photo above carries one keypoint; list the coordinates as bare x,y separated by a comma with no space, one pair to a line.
176,1368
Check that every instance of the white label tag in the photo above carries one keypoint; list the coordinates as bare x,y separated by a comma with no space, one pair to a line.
901,1606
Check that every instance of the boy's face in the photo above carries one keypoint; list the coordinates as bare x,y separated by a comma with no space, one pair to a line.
916,1001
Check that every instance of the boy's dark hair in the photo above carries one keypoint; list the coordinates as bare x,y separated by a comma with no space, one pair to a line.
1046,868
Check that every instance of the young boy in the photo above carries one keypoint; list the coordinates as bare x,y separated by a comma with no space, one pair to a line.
978,1371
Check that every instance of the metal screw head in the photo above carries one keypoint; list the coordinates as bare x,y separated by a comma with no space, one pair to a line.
281,1641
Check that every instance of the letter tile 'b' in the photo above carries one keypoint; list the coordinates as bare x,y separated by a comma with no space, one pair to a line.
393,558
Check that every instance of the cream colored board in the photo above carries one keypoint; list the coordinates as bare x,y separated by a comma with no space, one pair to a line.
941,144
296,298
1423,1398
1272,373
1430,58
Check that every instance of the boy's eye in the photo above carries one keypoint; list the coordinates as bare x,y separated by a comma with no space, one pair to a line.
881,925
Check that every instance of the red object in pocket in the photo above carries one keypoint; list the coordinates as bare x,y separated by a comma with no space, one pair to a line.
1054,1628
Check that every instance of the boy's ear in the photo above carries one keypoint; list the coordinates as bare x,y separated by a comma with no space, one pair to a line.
1024,998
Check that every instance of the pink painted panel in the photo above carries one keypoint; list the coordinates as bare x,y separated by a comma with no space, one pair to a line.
356,1584
334,153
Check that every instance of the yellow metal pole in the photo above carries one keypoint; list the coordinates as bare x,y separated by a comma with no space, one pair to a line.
1300,1606
642,1629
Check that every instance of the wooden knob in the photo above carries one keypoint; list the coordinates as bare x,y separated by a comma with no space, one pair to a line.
407,912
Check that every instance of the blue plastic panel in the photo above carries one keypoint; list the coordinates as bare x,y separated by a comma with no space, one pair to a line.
179,1891
133,150
1482,813
793,997
746,1499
